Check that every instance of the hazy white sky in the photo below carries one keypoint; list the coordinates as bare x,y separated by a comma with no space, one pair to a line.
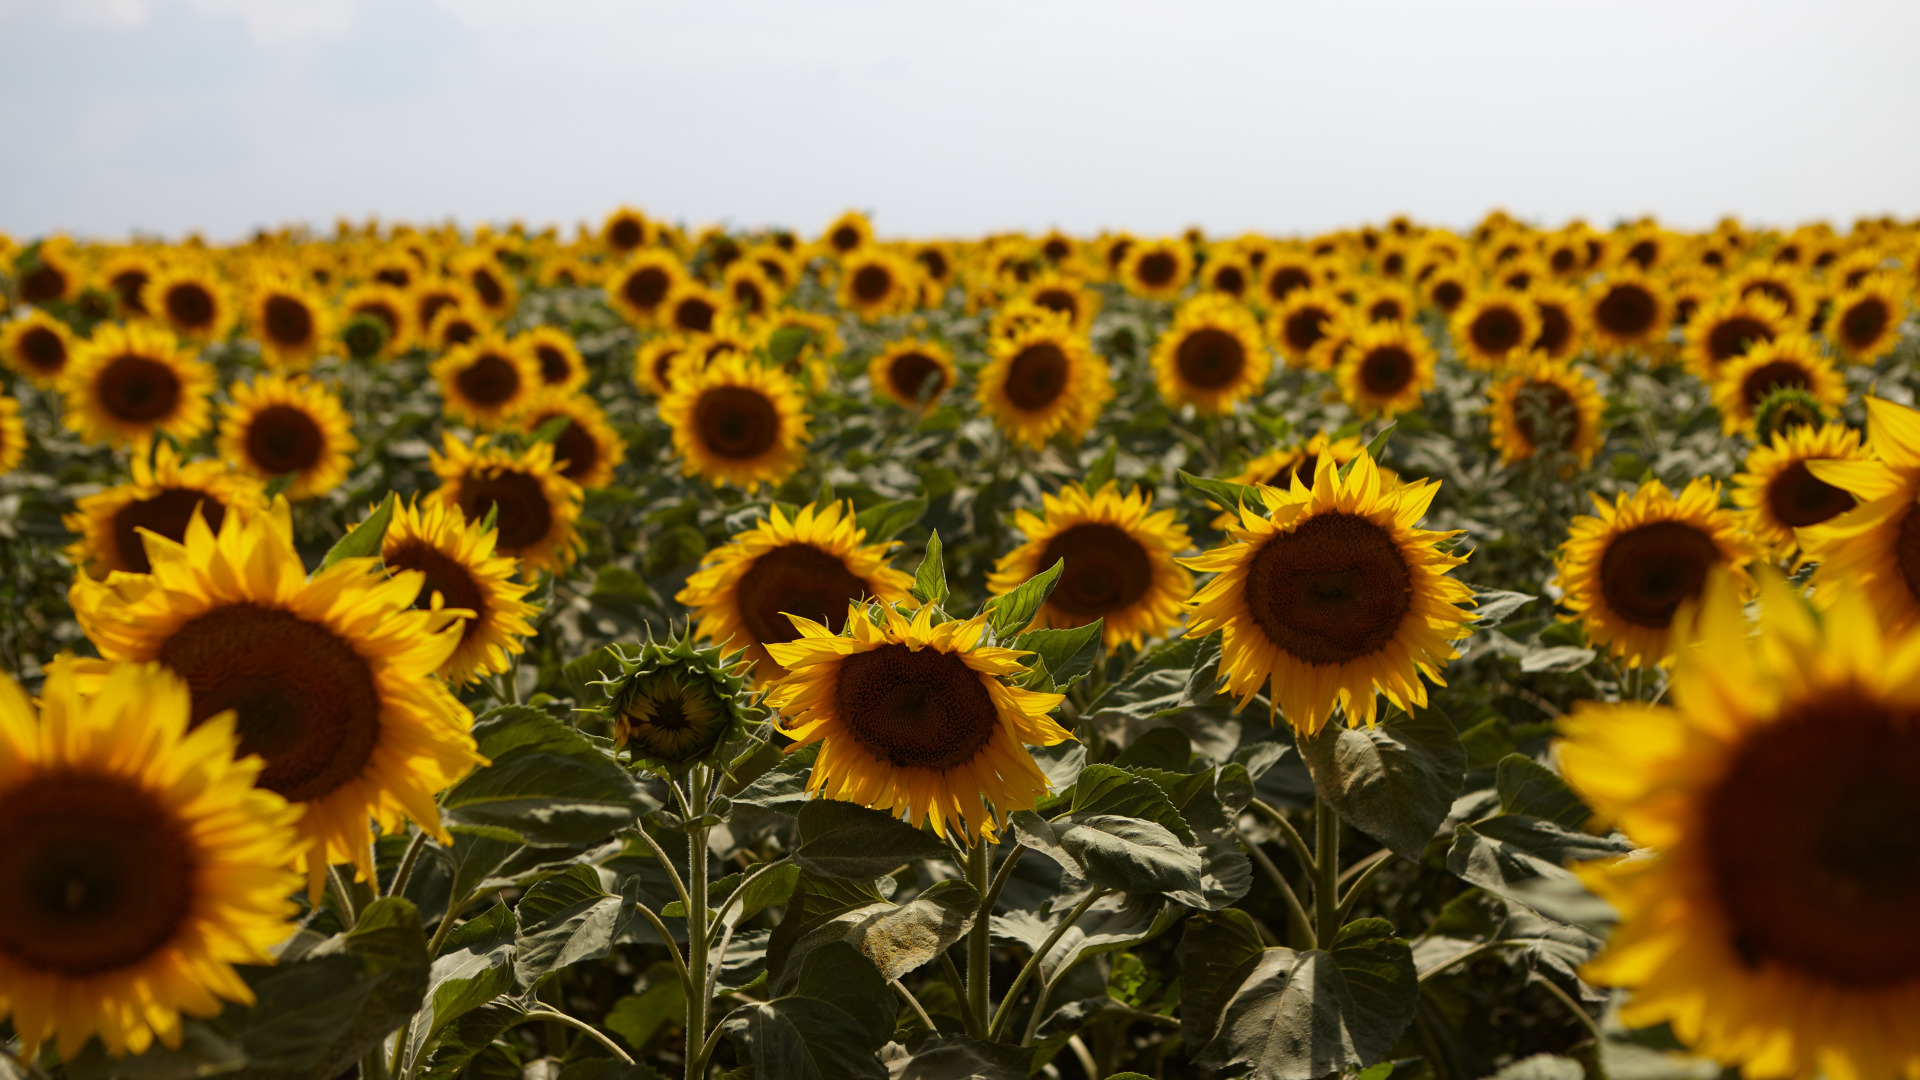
950,116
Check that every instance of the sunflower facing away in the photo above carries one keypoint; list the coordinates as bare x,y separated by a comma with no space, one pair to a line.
1792,361
535,507
1545,401
1772,922
487,381
1627,571
1491,328
1780,494
127,383
736,422
459,569
138,862
1118,562
160,498
191,302
1385,368
288,426
1212,356
38,347
914,374
1043,380
290,322
916,718
1333,596
1865,321
331,676
13,436
587,448
812,564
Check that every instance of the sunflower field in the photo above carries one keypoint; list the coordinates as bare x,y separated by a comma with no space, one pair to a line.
437,654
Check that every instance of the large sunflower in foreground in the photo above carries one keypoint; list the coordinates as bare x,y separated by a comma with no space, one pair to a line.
38,347
1545,401
138,862
535,508
486,382
128,383
279,426
1330,593
736,422
331,676
1491,328
1212,356
290,322
1043,380
812,564
1772,922
459,569
587,448
1780,493
913,373
13,435
1385,368
1118,562
916,718
1791,362
160,498
190,301
1628,571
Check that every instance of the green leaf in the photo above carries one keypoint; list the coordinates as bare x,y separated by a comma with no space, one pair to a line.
1158,748
1377,445
884,521
1108,789
930,580
1215,954
472,1037
1530,788
905,936
548,785
773,887
475,966
785,343
1162,682
566,919
783,787
662,1000
1224,493
363,540
1494,606
846,840
1558,659
492,517
549,431
1395,781
1503,852
1010,614
817,903
1113,852
829,1028
1381,979
927,1055
1101,471
1068,654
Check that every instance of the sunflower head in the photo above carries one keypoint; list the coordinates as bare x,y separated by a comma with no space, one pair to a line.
279,426
1212,356
676,704
191,301
914,374
1792,362
291,324
383,304
127,384
1725,328
691,308
1546,406
555,354
1158,269
459,568
162,497
486,382
874,282
639,288
1780,494
915,717
1864,322
535,508
626,231
586,446
1304,328
38,347
737,422
1064,295
1043,380
1492,328
849,233
1385,368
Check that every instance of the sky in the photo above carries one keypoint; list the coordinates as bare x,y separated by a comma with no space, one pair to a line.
952,117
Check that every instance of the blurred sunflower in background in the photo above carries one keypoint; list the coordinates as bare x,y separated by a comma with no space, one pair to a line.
291,323
190,301
849,233
1563,321
626,231
1303,327
640,287
1780,494
736,422
1066,296
1043,380
1212,357
38,347
1157,269
874,282
691,307
486,382
1864,323
1792,362
913,373
1384,369
1877,543
1546,404
1490,328
128,383
386,306
559,360
1726,327
1628,310
126,275
587,448
276,426
13,435
458,569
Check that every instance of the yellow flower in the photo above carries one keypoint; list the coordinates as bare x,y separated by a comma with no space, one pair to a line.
654,363
1043,380
1118,562
459,569
1229,274
276,426
1791,361
1563,320
160,498
1064,295
1333,596
190,301
126,275
588,449
905,370
850,232
13,436
1725,328
1157,269
387,306
138,861
491,285
1384,369
1878,542
1212,356
558,358
1865,320
1304,327
486,382
290,322
331,676
874,282
1783,285
639,288
1772,923
1778,490
811,564
1627,572
1545,398
38,347
128,383
748,288
1492,328
1385,302
1283,273
915,718
691,307
627,230
535,508
736,422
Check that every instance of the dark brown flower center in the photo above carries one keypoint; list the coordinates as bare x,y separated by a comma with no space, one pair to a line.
306,701
1386,370
1303,329
1230,280
1286,279
190,305
1556,329
646,287
920,708
137,389
747,294
397,276
1772,290
1117,254
433,303
283,439
1542,408
1769,377
694,313
1386,309
41,284
871,284
287,321
1627,311
1862,324
1648,571
1210,358
1733,337
458,331
573,448
796,579
444,575
485,283
1304,469
1644,253
1798,498
379,310
1037,376
909,374
934,261
1813,842
1907,550
490,381
126,286
95,874
663,367
1106,571
736,422
1333,590
625,235
844,239
1495,330
43,350
521,512
1059,300
555,366
1448,295
1157,269
166,514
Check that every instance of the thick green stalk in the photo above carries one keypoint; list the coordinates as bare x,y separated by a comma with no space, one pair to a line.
980,941
698,926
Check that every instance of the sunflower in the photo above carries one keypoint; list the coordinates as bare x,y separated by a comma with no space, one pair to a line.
1771,924
1626,572
535,508
850,232
1545,399
278,426
1118,563
486,382
1278,467
1333,596
38,347
913,373
777,266
639,289
1385,302
290,322
1791,361
736,421
1865,320
138,861
1043,380
874,283
1563,320
1384,368
568,272
54,275
191,302
813,364
1784,285
1303,328
13,436
432,295
655,362
626,231
457,325
1492,328
1727,327
1646,246
1064,295
160,498
1778,491
126,275
1446,289
1230,274
1627,310
1157,269
1212,356
386,305
396,268
812,563
1285,273
691,307
490,282
559,360
587,448
129,382
916,718
459,570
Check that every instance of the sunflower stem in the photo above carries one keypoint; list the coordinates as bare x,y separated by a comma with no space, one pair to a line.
1326,857
405,871
698,924
952,972
980,938
343,897
1573,1007
1294,840
1033,962
914,1003
1302,922
555,1017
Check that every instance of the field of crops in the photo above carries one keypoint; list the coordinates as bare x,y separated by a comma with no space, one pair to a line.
644,652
